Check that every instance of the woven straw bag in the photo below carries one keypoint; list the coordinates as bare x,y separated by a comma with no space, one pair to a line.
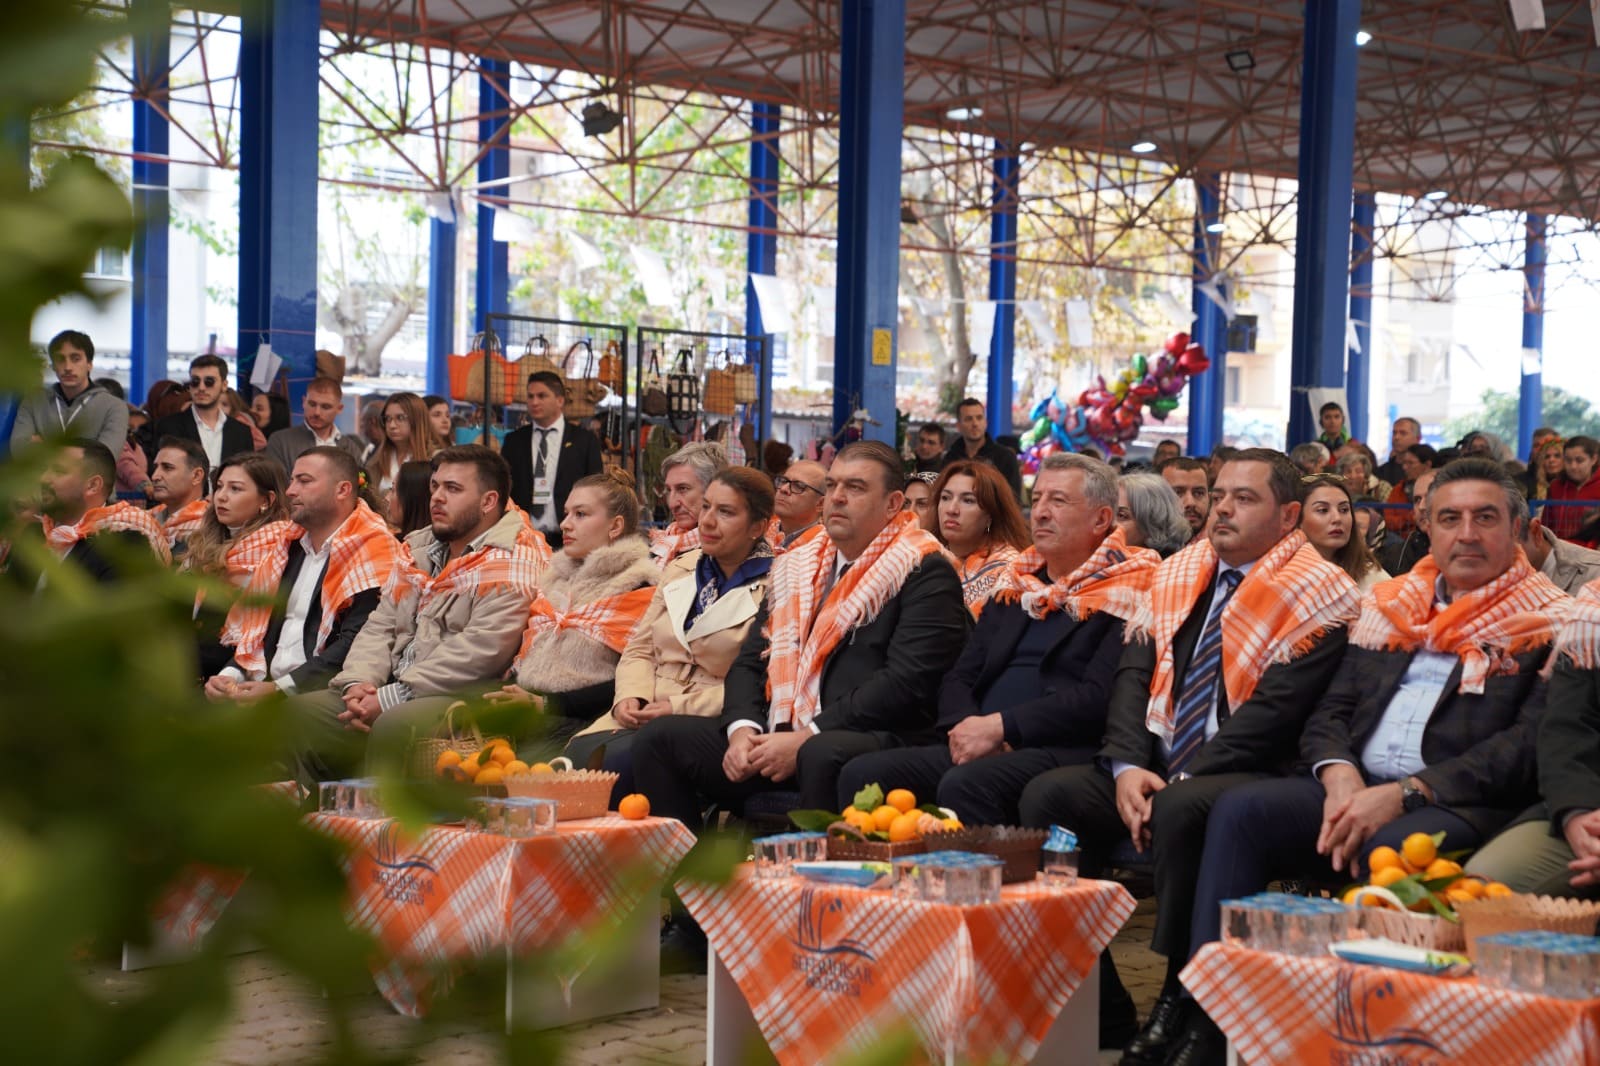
720,391
426,751
584,390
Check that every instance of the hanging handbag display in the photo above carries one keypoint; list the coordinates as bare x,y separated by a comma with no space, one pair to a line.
746,389
501,384
584,391
612,371
719,397
683,392
536,358
654,402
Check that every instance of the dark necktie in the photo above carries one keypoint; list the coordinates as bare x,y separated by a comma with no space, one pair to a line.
539,466
1200,681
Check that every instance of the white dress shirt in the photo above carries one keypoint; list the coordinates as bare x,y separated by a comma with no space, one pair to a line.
211,439
549,521
291,653
839,564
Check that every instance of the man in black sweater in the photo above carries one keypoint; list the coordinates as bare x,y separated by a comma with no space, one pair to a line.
975,443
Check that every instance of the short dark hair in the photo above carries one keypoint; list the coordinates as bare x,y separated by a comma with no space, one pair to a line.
1423,453
1473,468
970,401
216,362
1225,452
932,429
1184,462
1283,476
1329,406
344,465
73,337
1588,444
493,472
192,452
113,386
752,485
97,459
550,380
433,399
875,451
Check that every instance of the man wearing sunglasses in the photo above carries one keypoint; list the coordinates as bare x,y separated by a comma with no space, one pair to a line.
798,503
205,421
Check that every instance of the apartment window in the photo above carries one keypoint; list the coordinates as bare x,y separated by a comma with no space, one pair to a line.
110,263
1413,367
1235,387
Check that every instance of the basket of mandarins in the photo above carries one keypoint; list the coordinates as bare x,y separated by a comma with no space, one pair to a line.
484,765
878,827
1412,895
578,793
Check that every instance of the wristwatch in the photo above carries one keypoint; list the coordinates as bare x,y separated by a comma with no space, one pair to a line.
1412,798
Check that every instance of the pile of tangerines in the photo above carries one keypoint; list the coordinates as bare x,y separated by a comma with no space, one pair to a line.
1420,879
896,818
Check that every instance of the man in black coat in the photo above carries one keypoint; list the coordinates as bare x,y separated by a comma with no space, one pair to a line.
974,442
205,420
876,689
1253,602
548,456
82,521
1029,693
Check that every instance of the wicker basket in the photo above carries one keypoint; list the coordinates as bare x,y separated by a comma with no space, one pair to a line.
579,793
1514,914
1418,930
847,849
1019,848
425,752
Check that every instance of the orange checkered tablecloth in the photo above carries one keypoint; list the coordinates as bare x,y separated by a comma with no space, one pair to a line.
448,896
1284,1008
828,970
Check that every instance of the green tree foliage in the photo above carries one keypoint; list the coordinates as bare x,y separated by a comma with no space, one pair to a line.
1568,412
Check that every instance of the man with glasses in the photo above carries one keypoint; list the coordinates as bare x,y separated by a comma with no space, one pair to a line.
205,421
797,506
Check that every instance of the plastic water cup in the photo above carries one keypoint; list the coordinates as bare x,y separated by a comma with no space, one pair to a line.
908,879
1237,923
810,847
328,797
528,816
1527,966
990,870
1059,858
774,856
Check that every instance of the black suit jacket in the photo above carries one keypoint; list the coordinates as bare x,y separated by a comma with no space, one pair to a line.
318,669
1258,736
236,436
580,457
1479,750
1569,744
98,556
883,677
995,454
1075,678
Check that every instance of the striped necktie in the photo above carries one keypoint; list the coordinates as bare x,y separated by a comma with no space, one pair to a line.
1200,681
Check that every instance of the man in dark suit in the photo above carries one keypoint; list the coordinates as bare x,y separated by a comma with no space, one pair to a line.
974,442
1429,723
81,521
1029,693
205,420
323,401
548,456
1242,630
339,551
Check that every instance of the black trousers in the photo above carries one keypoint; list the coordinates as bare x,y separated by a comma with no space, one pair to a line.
985,791
1083,799
677,763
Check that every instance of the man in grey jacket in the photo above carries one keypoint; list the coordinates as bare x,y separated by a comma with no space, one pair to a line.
74,406
323,401
1571,566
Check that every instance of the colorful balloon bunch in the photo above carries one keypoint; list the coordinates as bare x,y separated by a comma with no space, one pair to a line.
1114,413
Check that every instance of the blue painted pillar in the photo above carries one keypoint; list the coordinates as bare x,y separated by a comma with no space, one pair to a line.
761,241
1358,374
151,60
872,60
1322,224
278,80
441,299
1003,289
1530,401
1207,392
494,132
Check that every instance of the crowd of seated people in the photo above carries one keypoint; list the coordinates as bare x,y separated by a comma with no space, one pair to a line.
1223,665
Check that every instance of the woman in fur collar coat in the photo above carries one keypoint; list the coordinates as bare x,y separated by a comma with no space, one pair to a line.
595,592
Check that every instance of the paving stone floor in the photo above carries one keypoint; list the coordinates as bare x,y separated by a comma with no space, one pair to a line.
279,1022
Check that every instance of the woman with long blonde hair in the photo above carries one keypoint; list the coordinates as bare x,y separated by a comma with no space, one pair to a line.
408,436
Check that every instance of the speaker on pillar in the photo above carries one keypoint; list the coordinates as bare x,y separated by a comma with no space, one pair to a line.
1242,333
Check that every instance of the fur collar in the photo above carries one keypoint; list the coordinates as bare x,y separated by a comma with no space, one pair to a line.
618,567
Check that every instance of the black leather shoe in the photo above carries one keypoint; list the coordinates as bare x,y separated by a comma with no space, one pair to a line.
683,946
1202,1043
1167,1021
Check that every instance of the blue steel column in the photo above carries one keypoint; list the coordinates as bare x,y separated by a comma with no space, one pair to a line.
1003,289
278,79
1358,374
1530,401
872,59
151,60
494,130
1207,394
761,241
1322,225
441,299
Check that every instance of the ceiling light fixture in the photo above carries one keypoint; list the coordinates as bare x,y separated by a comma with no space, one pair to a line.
599,119
967,108
1437,194
1362,37
1216,227
1240,60
1142,146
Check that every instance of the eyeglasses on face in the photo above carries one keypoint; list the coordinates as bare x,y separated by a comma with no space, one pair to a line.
789,483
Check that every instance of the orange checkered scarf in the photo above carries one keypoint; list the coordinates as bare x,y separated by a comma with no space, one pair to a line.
1516,612
609,620
247,553
361,556
1290,599
477,573
667,544
528,536
1580,637
803,630
181,525
112,518
1115,579
775,537
980,574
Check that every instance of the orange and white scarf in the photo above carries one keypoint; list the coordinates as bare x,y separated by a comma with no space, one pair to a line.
1114,579
1516,612
528,536
610,620
182,524
1290,599
803,630
979,573
477,573
775,536
247,553
361,555
667,544
118,517
1579,640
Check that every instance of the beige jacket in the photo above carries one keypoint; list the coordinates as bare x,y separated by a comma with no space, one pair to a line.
461,641
662,662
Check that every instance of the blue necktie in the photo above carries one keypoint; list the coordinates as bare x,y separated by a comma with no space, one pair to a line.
1200,681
